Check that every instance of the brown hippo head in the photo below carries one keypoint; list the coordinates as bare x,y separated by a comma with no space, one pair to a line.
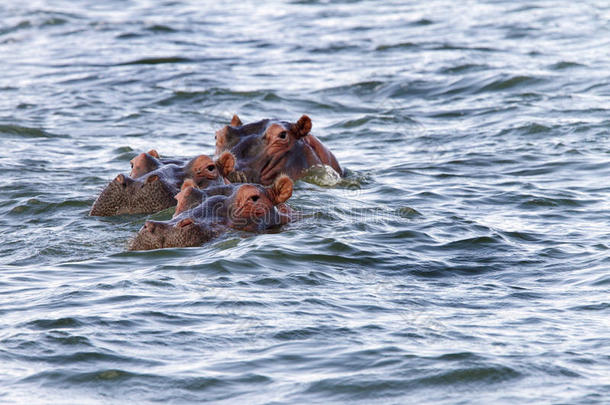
268,148
255,208
205,171
167,234
249,207
143,195
144,163
191,196
155,191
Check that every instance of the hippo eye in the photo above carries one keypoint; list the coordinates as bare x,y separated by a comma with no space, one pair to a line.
211,168
283,135
131,163
254,198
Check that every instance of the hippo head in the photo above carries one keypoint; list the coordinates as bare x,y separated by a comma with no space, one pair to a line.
235,133
189,197
144,163
245,206
250,207
155,191
253,207
204,171
267,148
125,195
167,234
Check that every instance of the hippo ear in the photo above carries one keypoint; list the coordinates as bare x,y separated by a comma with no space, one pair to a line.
123,180
120,179
188,183
225,163
235,121
152,179
153,153
281,190
302,127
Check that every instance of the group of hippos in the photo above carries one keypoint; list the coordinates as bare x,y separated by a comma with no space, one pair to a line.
244,187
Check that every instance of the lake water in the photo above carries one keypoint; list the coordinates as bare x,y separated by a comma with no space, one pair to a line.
464,259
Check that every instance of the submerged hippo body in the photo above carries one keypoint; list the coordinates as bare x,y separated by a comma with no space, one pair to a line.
249,207
268,148
153,183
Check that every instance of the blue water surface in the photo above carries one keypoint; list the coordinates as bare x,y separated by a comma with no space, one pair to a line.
464,258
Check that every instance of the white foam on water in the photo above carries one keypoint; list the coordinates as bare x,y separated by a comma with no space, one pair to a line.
322,175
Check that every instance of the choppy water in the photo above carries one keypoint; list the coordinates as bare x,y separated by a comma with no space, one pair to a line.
465,259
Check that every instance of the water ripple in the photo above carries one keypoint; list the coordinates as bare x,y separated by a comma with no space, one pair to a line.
463,258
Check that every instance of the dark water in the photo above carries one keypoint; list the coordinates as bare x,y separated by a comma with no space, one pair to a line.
465,259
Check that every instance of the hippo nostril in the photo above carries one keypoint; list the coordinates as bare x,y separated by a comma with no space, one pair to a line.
220,136
149,226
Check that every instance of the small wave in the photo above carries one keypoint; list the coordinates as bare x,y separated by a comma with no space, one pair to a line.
522,236
160,28
34,206
385,113
334,48
358,88
401,45
408,212
218,94
89,357
564,65
481,374
472,243
28,132
464,68
19,26
59,323
505,82
101,376
534,202
157,61
306,333
592,307
532,128
601,281
362,387
497,83
63,338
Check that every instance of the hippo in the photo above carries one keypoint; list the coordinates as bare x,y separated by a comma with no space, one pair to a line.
269,147
148,191
249,207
